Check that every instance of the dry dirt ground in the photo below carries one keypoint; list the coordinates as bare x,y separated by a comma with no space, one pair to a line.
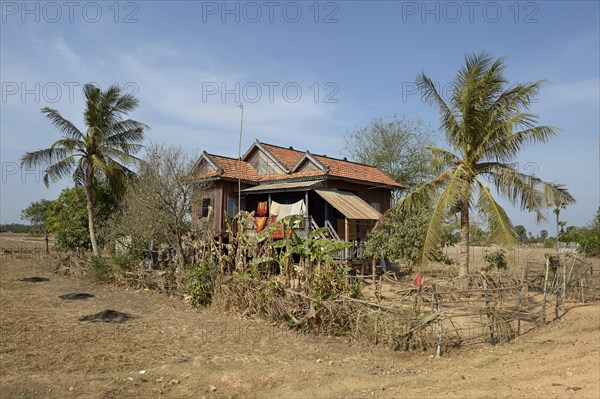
168,350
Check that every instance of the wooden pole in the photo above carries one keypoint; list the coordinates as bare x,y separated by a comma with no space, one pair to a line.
519,312
346,236
557,212
564,285
240,161
374,269
489,312
435,303
523,274
571,269
556,305
545,290
306,219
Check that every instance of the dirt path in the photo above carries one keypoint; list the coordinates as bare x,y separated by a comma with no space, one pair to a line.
46,352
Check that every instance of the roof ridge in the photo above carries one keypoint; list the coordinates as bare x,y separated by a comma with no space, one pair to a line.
283,148
346,160
319,155
224,156
333,167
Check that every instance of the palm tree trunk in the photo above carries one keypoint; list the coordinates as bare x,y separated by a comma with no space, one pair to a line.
464,241
90,210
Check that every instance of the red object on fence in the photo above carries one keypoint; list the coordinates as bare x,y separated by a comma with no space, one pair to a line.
419,280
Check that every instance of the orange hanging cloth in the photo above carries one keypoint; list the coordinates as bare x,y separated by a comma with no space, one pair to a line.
260,223
261,209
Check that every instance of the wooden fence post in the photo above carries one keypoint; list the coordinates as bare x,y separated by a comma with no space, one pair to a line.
488,308
374,269
545,290
557,304
562,287
564,284
521,286
435,304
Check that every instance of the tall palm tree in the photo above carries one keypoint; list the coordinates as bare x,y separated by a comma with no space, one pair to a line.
105,151
557,207
486,123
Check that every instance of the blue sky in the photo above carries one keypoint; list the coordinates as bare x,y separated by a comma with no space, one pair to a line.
307,72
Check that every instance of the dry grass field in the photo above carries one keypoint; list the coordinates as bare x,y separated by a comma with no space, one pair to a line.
56,345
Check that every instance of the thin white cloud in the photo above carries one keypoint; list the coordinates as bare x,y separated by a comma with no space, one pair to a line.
179,93
64,50
585,91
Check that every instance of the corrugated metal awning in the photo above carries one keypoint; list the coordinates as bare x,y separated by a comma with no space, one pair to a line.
350,205
284,186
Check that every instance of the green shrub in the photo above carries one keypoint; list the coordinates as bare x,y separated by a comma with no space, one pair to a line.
99,269
201,283
446,260
496,260
125,262
355,287
329,282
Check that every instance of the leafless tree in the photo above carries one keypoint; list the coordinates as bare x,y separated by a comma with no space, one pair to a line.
157,207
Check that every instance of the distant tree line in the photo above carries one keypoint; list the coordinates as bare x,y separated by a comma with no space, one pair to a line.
15,228
588,237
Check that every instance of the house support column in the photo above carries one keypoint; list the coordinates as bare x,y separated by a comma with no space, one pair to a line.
306,219
346,237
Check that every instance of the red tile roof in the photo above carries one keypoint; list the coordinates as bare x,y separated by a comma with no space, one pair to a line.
230,169
337,168
287,157
356,171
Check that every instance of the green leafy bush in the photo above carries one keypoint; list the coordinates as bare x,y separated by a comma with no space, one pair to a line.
201,283
67,217
125,262
496,260
587,237
329,282
399,236
99,269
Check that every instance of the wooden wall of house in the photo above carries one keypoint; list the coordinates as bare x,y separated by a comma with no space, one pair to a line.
220,193
221,190
215,193
263,165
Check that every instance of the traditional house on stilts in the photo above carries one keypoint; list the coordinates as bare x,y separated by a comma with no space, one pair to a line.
345,197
